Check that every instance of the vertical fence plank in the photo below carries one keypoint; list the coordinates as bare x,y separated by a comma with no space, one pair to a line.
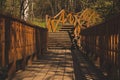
20,43
103,42
2,42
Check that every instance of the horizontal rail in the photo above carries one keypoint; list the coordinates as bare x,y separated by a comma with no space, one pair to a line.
20,43
101,43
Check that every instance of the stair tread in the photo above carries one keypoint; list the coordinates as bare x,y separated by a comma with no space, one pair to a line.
59,40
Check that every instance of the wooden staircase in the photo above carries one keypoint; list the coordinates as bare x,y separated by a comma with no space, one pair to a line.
67,27
60,39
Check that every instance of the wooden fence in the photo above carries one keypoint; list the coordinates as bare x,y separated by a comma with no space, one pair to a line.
101,44
20,43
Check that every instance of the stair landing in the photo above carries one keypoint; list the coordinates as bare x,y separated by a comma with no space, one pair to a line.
61,65
55,65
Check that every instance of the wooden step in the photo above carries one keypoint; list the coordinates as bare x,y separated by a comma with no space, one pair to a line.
67,27
58,47
59,40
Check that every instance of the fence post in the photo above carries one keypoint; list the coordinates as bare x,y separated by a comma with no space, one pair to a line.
11,68
7,40
119,56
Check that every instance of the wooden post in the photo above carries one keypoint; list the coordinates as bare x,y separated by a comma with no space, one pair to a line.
12,68
119,56
47,21
7,40
2,43
36,44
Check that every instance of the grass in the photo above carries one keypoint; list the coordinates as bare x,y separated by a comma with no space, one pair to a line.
39,22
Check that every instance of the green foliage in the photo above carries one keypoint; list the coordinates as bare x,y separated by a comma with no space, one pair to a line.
38,22
2,5
91,17
106,8
40,8
10,7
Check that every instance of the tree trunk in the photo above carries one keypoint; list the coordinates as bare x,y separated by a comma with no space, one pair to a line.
51,7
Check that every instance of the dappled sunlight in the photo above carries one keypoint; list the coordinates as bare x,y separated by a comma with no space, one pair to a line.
54,66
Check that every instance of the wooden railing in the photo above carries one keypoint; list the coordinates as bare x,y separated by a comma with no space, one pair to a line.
83,19
20,43
101,44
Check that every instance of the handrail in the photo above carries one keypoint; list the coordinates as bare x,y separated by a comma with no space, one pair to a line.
20,42
101,43
80,20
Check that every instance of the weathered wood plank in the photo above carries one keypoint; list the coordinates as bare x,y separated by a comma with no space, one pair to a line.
56,65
